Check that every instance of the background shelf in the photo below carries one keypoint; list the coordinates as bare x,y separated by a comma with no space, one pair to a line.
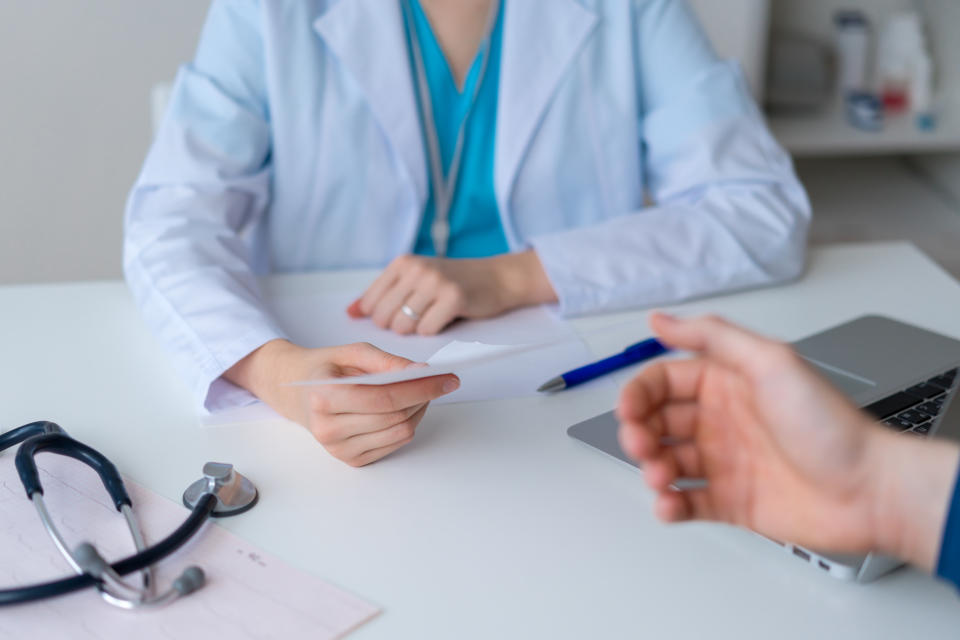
828,134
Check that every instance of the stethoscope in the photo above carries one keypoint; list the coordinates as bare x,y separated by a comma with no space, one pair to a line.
221,492
444,187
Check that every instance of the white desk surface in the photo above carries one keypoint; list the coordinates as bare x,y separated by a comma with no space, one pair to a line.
492,523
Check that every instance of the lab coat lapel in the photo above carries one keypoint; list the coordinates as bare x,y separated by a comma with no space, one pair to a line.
367,37
541,38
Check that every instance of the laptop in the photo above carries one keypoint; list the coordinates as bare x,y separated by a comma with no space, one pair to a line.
904,376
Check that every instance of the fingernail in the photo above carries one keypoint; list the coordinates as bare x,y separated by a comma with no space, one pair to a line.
451,385
417,365
354,310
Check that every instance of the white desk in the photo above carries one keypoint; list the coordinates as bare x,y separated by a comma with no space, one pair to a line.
492,523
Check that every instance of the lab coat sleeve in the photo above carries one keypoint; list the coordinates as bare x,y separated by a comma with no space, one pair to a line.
191,214
728,213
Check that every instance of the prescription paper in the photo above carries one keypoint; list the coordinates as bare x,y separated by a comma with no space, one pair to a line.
480,367
249,593
503,357
455,356
320,320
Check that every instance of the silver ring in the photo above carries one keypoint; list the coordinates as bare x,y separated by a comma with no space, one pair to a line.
410,313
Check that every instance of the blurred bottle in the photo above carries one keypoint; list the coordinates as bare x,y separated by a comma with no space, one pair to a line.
853,51
905,67
921,94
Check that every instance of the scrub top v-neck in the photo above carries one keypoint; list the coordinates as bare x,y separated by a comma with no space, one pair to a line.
476,230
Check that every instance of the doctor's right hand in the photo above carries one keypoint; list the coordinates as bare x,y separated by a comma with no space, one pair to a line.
357,424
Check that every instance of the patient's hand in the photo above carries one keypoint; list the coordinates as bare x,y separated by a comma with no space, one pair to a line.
783,452
358,424
437,291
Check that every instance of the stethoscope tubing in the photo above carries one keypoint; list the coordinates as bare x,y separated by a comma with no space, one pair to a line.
137,562
444,186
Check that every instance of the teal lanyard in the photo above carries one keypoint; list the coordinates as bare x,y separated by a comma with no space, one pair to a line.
445,186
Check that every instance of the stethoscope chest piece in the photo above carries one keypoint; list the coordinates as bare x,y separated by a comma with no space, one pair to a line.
235,494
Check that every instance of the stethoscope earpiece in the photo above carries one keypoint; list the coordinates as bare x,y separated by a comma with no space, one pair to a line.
190,580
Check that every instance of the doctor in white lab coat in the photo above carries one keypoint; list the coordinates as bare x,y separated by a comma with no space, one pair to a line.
630,167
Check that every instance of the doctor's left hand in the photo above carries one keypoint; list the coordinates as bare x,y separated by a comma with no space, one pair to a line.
417,294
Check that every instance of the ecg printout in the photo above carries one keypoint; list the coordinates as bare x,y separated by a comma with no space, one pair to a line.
249,593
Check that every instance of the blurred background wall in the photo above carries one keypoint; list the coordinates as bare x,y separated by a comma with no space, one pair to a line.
75,125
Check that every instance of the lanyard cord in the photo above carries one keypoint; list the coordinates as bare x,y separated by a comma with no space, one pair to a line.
444,187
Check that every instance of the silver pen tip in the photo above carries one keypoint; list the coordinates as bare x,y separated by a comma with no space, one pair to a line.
554,384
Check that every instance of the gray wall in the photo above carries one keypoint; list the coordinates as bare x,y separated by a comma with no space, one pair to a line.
945,168
75,125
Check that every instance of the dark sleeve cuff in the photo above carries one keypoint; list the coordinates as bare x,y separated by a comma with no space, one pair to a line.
948,567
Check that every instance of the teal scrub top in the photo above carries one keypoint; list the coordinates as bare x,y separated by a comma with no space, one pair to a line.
475,227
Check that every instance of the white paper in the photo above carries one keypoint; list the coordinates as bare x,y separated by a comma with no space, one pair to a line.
456,357
539,344
248,594
320,320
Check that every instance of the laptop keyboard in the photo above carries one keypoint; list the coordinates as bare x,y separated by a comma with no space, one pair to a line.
914,410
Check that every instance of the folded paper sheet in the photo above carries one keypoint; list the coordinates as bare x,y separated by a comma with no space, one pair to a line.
249,593
479,366
495,358
320,320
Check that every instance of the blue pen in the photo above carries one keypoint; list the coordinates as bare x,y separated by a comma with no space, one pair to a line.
650,348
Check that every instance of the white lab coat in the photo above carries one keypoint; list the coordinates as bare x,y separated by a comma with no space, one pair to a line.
293,143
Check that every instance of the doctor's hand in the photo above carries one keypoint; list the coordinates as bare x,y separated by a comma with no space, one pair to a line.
416,294
782,451
357,424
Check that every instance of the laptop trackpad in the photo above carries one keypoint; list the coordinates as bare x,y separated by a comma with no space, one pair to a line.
874,355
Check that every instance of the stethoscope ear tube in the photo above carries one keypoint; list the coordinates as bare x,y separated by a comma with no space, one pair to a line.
18,435
64,445
444,183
